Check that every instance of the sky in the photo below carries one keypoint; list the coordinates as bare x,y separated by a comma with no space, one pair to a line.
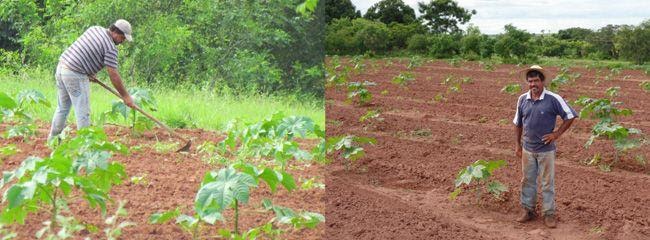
547,15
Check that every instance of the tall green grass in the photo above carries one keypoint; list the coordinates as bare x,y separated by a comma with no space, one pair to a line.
176,107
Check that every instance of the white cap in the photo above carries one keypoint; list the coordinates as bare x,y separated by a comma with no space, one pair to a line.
125,27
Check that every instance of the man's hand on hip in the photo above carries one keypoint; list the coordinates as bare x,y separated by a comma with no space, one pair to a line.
549,138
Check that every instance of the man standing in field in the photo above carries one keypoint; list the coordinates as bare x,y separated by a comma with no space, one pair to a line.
536,113
92,51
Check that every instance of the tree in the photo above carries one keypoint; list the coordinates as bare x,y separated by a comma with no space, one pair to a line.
632,42
512,45
603,40
575,33
388,11
335,9
443,16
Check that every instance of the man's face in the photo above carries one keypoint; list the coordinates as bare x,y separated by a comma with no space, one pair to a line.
535,84
118,38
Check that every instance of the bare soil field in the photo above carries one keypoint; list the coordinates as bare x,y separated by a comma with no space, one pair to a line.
400,189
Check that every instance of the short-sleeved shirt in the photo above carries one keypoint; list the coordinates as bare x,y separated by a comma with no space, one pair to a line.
93,50
537,118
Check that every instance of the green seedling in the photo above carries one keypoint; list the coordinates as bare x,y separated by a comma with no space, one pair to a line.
337,74
138,124
300,220
369,115
349,146
311,183
606,113
272,137
511,89
612,91
18,112
468,80
421,132
403,79
358,64
439,98
564,77
414,62
114,228
480,172
384,92
140,180
645,85
358,93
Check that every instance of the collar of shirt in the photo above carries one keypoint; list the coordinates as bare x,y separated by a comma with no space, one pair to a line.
528,95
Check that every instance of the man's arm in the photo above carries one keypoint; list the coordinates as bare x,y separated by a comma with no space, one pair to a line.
549,138
116,80
518,131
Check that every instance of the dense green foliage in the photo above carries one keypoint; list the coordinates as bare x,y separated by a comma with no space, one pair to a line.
436,33
388,11
248,46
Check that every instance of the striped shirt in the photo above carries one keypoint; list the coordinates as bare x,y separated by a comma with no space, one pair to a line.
537,118
93,50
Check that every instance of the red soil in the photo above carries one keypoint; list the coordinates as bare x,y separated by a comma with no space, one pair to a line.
400,188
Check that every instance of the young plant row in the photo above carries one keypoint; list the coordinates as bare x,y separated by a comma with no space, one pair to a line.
77,167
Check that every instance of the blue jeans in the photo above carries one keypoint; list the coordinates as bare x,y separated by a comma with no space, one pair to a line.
73,90
533,165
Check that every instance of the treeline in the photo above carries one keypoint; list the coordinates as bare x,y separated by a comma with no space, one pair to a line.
243,45
391,27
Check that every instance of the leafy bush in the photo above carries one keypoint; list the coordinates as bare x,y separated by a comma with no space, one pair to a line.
418,43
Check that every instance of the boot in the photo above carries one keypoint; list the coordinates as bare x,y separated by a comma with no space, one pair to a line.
526,216
550,221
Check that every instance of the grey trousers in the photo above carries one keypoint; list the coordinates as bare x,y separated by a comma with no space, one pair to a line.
73,91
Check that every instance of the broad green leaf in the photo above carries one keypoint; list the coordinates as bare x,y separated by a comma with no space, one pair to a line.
32,97
217,195
6,101
19,193
496,188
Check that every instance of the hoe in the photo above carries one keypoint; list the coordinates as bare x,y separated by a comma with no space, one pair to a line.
185,148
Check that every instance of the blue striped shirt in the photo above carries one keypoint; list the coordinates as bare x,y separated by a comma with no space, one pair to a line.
93,50
537,118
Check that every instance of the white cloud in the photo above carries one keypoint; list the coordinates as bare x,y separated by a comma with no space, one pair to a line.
553,15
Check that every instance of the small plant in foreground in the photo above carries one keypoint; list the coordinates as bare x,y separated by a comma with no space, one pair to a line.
80,163
480,172
606,112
